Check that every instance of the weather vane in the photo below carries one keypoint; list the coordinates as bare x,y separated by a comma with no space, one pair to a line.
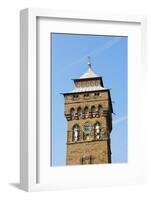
89,62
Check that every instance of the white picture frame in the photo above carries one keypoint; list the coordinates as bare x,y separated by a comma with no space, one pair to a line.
30,140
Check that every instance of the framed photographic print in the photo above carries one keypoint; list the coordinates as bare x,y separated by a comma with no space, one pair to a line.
82,77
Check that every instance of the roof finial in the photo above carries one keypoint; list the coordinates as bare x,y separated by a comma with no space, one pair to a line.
89,62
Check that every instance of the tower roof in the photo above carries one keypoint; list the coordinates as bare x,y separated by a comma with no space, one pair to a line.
88,82
87,89
89,74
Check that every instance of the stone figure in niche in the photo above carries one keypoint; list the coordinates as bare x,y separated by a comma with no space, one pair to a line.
97,131
76,133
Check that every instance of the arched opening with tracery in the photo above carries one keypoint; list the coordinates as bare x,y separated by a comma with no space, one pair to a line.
93,111
72,113
79,111
100,109
86,112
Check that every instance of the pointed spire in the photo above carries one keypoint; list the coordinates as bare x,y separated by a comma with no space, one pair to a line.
89,62
89,73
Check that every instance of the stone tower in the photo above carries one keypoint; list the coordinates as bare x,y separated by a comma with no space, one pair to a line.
88,110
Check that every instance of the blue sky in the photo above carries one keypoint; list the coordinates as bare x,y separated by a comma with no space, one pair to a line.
69,54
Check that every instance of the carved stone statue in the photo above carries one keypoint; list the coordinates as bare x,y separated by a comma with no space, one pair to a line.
97,128
97,131
76,133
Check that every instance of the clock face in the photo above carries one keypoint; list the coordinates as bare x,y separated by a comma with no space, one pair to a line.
87,128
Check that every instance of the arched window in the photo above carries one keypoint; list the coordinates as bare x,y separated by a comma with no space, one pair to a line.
93,111
89,159
86,111
100,109
76,133
79,110
86,160
72,112
97,130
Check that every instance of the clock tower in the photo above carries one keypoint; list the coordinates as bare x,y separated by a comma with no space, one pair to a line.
88,111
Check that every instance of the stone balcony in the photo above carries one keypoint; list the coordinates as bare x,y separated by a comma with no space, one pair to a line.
90,115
